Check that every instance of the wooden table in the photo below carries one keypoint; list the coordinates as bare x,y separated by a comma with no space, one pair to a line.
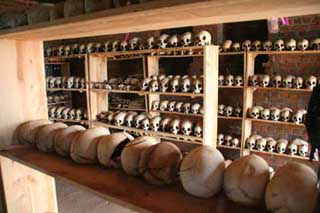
29,182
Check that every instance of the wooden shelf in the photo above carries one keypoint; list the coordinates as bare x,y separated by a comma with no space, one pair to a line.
279,89
163,135
229,118
276,122
56,103
286,52
70,121
279,155
57,58
65,89
230,87
126,109
228,147
179,113
232,53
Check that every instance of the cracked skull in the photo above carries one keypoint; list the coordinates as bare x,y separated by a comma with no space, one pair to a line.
186,127
203,38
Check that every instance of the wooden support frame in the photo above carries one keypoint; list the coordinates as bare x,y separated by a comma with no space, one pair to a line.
152,69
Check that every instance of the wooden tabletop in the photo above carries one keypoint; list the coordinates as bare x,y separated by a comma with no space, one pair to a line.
114,185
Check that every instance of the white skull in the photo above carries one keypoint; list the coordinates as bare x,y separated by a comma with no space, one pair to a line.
138,119
72,114
61,50
163,41
124,46
265,114
251,141
89,47
145,124
298,83
179,106
315,44
115,46
155,123
267,45
292,149
175,126
135,43
173,41
49,52
311,82
256,45
145,83
129,118
279,45
228,111
198,129
50,82
264,81
197,85
82,83
164,84
236,47
67,50
291,45
97,47
70,82
165,124
285,114
276,81
110,117
52,112
282,146
221,80
195,108
238,112
229,80
186,107
203,38
287,82
227,140
79,114
82,49
253,80
220,139
186,39
164,105
172,106
221,109
238,80
58,82
76,83
271,145
155,105
187,84
303,150
303,44
254,112
75,49
261,144
186,127
235,142
151,43
65,113
107,46
119,118
246,45
298,117
275,114
175,85
226,46
154,86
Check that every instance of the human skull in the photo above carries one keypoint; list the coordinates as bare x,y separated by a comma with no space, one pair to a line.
261,144
285,114
195,108
229,80
238,80
292,149
186,39
145,124
226,46
246,45
235,142
155,123
52,112
186,85
129,118
220,139
298,83
315,44
151,43
253,80
164,84
291,45
97,47
58,112
198,129
67,50
58,82
298,117
276,81
203,38
164,105
119,118
70,82
82,49
256,45
287,82
82,83
281,146
197,85
154,86
275,114
155,105
303,149
179,106
175,85
227,140
221,109
173,41
124,46
61,50
165,124
50,81
135,43
254,112
186,107
115,45
238,112
311,82
76,83
236,47
72,114
138,119
90,47
175,126
186,127
228,111
265,114
163,41
267,45
75,49
145,84
221,80
79,114
65,113
48,52
271,145
264,80
279,45
303,44
107,46
251,141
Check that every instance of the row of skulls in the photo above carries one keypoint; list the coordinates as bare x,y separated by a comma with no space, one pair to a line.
282,146
156,123
278,45
129,83
278,81
68,113
52,99
230,80
170,83
163,41
228,140
66,82
228,111
286,114
174,106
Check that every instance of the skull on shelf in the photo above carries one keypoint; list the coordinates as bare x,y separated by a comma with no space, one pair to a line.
67,50
76,82
265,114
264,80
164,84
253,80
221,109
124,46
187,85
58,82
311,82
285,114
79,114
65,113
58,112
165,124
82,49
261,144
254,112
235,142
70,82
163,41
238,112
236,47
138,119
220,139
256,45
298,117
145,124
52,112
203,38
115,45
238,80
195,108
303,149
175,126
267,45
186,127
129,118
246,45
198,129
155,123
107,46
221,80
198,85
298,83
90,47
164,105
287,82
172,106
228,111
75,48
48,52
186,39
279,45
154,86
303,44
226,46
51,82
145,84
315,44
72,114
97,47
179,106
151,43
61,50
291,45
229,80
173,41
271,145
282,146
276,81
292,149
186,107
227,140
251,141
119,118
275,114
175,85
135,43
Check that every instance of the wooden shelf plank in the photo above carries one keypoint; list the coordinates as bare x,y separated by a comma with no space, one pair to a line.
279,89
276,122
228,147
49,60
71,121
231,53
279,155
126,109
230,118
178,113
286,52
65,89
131,192
230,87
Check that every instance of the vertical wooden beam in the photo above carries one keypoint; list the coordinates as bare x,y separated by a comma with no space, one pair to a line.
22,86
210,102
27,190
152,69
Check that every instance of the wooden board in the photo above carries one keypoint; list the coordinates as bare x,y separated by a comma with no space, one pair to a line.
162,14
115,186
27,190
22,86
152,69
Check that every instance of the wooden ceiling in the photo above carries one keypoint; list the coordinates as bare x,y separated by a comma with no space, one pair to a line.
19,5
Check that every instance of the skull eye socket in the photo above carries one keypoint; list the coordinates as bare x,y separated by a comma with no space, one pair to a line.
204,37
187,40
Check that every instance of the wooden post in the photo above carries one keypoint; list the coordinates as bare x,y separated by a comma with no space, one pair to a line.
27,190
210,102
152,69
